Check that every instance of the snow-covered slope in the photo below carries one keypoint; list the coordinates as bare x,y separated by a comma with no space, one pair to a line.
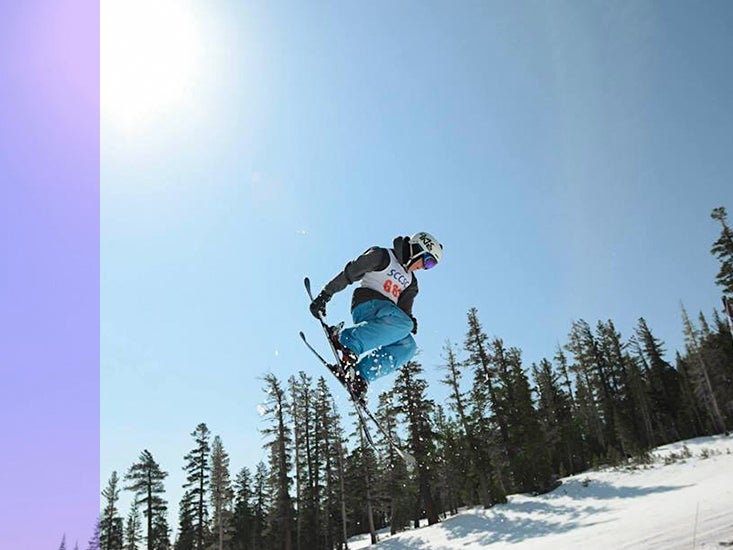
683,499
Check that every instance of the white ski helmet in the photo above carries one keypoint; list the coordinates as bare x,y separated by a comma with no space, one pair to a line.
422,243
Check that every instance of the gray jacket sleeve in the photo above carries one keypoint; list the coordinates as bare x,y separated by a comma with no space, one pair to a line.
374,259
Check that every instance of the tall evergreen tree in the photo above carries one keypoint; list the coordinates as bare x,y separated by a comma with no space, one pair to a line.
261,499
328,480
337,493
93,543
702,374
663,381
417,409
451,463
329,499
639,432
111,531
490,428
477,466
367,469
692,413
300,432
561,361
161,532
277,410
133,527
478,347
221,491
529,462
307,428
186,538
396,489
723,250
145,480
593,390
243,520
628,400
555,413
198,470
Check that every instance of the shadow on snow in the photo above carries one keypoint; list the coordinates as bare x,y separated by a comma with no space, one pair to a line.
537,518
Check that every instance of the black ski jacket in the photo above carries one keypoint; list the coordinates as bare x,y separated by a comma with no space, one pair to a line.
375,259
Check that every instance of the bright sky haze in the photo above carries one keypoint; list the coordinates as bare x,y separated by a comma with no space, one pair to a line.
567,154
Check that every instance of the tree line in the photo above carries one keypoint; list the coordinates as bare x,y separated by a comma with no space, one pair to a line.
505,427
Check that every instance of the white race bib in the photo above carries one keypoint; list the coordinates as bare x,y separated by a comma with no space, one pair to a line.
389,282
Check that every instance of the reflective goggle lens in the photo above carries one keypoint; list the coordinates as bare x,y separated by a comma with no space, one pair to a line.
429,261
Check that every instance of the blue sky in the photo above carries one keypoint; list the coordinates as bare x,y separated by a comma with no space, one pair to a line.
567,154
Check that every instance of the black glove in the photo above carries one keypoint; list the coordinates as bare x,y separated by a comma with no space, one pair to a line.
318,306
414,325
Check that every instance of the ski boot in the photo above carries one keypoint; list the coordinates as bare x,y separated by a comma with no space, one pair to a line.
346,356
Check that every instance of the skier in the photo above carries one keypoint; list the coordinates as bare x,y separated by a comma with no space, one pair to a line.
381,308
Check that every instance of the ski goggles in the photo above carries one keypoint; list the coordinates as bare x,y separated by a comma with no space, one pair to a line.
429,261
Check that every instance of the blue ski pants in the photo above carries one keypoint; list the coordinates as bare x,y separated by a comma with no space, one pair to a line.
380,326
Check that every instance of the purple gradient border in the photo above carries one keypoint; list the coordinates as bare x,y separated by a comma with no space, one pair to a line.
49,273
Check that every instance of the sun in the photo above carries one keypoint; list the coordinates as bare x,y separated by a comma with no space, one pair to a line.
150,60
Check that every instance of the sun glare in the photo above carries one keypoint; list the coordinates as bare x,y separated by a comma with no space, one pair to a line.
149,59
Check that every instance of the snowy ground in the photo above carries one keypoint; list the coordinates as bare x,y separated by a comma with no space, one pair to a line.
684,499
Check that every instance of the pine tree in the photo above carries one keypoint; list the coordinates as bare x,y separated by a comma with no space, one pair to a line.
478,466
63,543
198,471
261,510
186,538
301,432
133,528
146,482
328,521
702,375
277,410
477,345
161,532
529,462
111,534
663,382
628,400
328,499
93,543
716,350
221,491
307,434
721,348
562,364
451,463
416,409
593,390
489,428
243,519
340,453
691,412
556,416
723,250
395,490
367,469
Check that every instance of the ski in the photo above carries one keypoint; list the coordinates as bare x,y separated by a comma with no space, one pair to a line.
362,411
357,407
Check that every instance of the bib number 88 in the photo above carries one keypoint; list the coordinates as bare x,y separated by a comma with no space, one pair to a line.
391,288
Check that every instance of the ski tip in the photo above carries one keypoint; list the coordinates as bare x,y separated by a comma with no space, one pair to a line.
409,459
